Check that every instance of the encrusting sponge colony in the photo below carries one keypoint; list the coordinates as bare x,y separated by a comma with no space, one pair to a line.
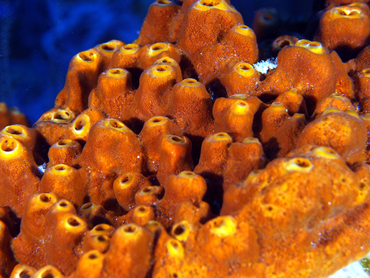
174,156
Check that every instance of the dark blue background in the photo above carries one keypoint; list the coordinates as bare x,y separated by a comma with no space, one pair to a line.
39,37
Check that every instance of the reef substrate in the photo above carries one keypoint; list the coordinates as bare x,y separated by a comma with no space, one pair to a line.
174,157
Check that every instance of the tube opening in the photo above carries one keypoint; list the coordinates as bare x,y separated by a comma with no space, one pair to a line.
87,56
72,221
14,129
45,198
210,3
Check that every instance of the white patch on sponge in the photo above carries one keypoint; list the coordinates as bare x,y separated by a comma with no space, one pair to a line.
351,271
266,65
